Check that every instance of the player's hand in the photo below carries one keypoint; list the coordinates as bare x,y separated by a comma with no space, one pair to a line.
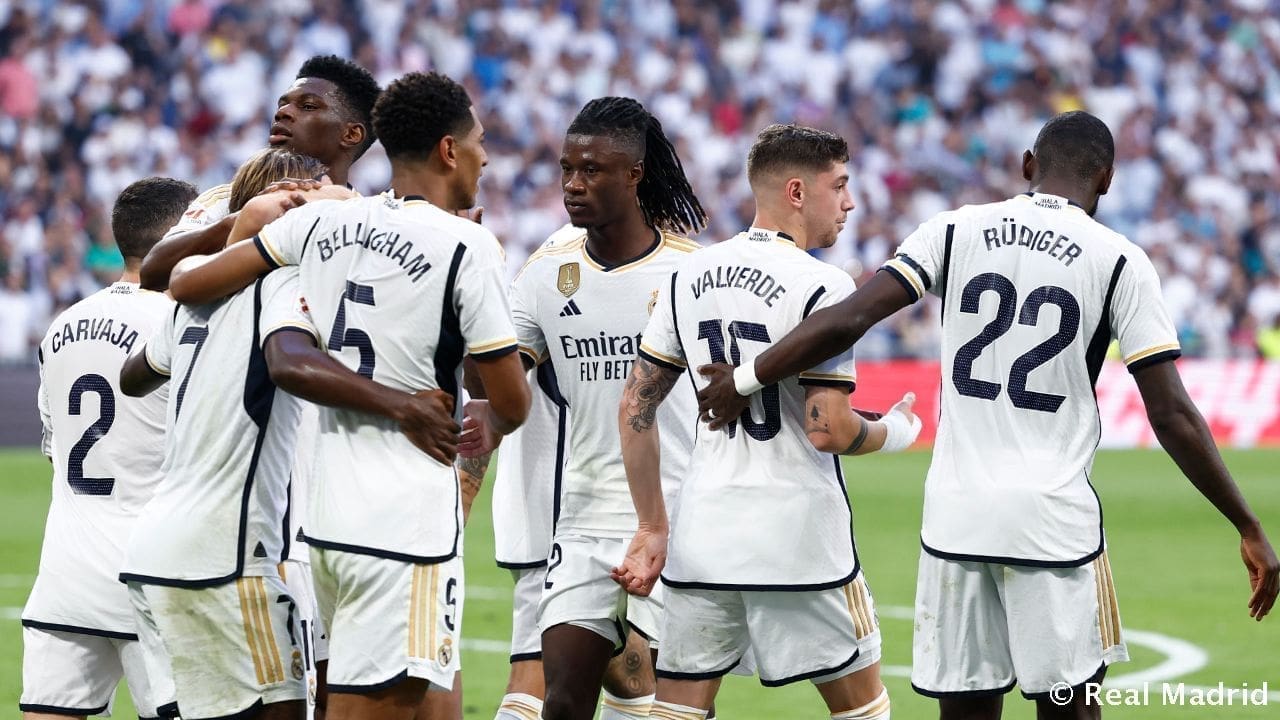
719,402
295,185
643,563
474,214
905,406
1264,571
426,418
478,436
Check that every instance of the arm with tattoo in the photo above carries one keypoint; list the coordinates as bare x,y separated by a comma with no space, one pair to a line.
833,427
647,386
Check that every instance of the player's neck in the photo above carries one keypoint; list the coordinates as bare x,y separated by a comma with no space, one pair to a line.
618,242
418,179
792,227
132,272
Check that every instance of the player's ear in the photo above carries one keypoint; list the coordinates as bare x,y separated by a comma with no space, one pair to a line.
635,174
1104,180
447,149
1028,165
353,135
794,190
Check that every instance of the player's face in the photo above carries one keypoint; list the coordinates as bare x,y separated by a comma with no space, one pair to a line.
827,205
598,176
471,158
308,120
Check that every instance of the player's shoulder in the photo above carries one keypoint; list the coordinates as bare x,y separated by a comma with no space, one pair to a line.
214,195
549,258
678,243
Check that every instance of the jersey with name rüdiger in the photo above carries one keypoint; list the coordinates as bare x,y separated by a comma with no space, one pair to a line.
761,508
1033,291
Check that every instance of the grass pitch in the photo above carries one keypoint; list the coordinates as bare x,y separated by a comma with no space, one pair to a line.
1175,561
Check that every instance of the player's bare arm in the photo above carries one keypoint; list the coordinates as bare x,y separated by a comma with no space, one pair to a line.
475,448
507,389
821,336
202,279
1183,433
161,259
137,377
647,386
833,427
300,368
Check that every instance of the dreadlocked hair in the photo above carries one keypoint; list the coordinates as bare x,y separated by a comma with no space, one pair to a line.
666,199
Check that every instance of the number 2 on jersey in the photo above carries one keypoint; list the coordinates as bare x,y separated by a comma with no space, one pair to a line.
94,383
343,336
1019,395
711,331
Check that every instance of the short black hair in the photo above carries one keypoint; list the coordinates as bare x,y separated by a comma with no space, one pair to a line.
357,90
666,198
794,147
145,210
416,111
1075,145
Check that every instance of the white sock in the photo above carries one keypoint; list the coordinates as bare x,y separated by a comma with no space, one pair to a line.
671,711
613,707
519,706
877,709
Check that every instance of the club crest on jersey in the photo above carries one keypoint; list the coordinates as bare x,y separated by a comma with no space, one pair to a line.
446,651
298,671
653,301
569,279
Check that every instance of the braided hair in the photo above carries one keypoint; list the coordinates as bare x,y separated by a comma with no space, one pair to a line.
666,199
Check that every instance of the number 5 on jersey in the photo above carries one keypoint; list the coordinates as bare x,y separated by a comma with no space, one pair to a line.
343,336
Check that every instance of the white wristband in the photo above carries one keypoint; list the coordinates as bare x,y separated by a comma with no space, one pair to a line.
899,432
744,379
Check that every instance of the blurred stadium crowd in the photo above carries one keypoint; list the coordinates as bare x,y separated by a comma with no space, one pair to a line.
937,99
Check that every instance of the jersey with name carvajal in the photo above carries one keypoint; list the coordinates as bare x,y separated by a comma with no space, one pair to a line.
527,480
220,512
106,449
1033,290
761,508
400,290
586,318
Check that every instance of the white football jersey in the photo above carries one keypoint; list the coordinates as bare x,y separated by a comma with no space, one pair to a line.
586,320
526,482
220,512
400,291
211,206
1033,290
106,449
761,509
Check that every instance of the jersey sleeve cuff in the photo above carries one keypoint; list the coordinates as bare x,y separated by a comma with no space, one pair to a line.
292,327
661,359
1153,356
495,353
903,276
155,368
492,348
832,380
268,253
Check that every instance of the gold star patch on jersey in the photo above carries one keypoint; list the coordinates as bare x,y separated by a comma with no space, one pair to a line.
653,301
569,279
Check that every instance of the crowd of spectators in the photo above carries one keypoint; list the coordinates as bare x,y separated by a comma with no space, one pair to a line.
938,99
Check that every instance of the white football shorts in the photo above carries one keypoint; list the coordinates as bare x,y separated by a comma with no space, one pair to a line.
388,620
526,640
818,635
312,637
578,591
230,646
69,673
982,627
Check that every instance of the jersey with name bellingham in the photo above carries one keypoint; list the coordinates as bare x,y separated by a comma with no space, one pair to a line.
761,507
586,319
1033,291
220,512
400,291
106,449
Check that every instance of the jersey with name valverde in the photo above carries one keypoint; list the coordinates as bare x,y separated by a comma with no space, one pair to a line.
761,508
106,449
586,318
400,291
220,512
1033,291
